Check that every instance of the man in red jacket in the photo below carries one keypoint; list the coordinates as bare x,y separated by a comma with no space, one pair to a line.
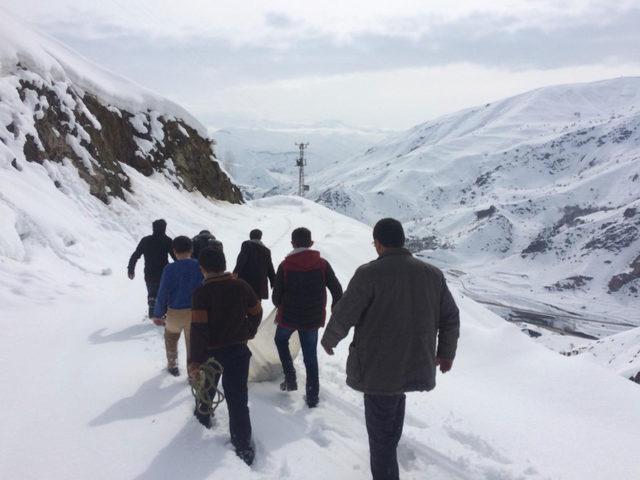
300,296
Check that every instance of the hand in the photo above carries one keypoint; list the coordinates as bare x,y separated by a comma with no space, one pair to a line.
131,275
445,364
193,369
158,321
329,350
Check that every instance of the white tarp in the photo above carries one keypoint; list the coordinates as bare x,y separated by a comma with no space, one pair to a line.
265,364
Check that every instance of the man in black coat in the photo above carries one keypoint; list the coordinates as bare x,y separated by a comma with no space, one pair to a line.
254,264
300,295
156,248
203,240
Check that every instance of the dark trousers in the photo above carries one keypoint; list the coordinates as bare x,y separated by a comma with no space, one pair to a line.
309,344
153,284
384,415
235,363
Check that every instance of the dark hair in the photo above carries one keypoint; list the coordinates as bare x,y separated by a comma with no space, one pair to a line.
389,233
301,237
255,234
212,260
182,244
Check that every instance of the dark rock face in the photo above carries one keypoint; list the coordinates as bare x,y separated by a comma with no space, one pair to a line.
485,213
98,138
623,279
570,283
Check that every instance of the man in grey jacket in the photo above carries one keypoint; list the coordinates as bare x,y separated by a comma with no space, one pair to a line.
406,323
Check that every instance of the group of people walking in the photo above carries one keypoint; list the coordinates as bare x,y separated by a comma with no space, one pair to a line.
405,322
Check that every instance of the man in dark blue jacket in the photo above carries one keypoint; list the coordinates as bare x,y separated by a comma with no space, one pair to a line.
156,249
179,280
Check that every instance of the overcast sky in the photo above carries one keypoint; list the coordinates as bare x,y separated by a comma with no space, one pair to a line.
384,64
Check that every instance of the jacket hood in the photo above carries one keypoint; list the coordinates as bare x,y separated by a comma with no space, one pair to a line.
303,258
159,227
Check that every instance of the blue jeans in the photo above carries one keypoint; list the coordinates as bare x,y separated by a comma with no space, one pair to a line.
309,344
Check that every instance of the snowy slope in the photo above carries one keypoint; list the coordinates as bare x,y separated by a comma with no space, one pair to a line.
535,197
83,389
620,352
84,385
57,108
262,158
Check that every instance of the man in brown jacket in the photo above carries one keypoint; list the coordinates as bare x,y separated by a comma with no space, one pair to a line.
406,322
225,314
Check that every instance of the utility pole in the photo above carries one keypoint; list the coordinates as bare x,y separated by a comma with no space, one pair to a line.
300,163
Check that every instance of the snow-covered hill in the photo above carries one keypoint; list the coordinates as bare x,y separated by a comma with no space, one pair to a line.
59,110
262,158
84,392
536,197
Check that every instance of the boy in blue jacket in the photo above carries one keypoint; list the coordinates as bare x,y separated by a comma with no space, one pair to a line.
179,281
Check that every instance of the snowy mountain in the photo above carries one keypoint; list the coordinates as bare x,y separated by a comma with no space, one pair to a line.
58,110
261,158
532,197
84,389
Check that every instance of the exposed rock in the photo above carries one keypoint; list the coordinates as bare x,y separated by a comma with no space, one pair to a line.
98,138
570,283
619,281
480,214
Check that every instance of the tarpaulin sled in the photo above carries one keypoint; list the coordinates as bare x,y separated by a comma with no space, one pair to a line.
265,363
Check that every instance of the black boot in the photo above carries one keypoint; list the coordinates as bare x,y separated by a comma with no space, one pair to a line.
246,454
175,371
289,385
205,420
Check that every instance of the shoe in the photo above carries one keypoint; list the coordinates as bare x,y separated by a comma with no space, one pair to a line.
205,420
175,371
247,455
312,400
289,386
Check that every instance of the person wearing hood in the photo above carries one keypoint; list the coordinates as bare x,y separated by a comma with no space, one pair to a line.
300,295
156,248
254,264
203,240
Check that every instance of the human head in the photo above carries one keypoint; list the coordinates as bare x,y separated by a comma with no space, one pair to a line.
159,226
204,232
212,260
301,238
255,234
388,233
182,245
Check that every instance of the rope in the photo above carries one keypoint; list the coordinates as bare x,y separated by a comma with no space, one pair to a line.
201,388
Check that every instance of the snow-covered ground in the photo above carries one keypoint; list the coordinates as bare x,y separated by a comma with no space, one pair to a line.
84,392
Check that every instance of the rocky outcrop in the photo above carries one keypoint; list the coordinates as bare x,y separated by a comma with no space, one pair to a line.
60,123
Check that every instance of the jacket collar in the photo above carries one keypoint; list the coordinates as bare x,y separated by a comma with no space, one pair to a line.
388,252
295,251
221,277
255,240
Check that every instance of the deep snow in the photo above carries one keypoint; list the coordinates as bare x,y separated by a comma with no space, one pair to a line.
85,394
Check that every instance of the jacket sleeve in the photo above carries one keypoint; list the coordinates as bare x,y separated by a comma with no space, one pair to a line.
271,273
254,311
349,310
135,257
162,299
448,324
278,287
333,284
242,259
199,340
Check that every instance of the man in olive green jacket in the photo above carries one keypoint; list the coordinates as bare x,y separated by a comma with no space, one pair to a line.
406,322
